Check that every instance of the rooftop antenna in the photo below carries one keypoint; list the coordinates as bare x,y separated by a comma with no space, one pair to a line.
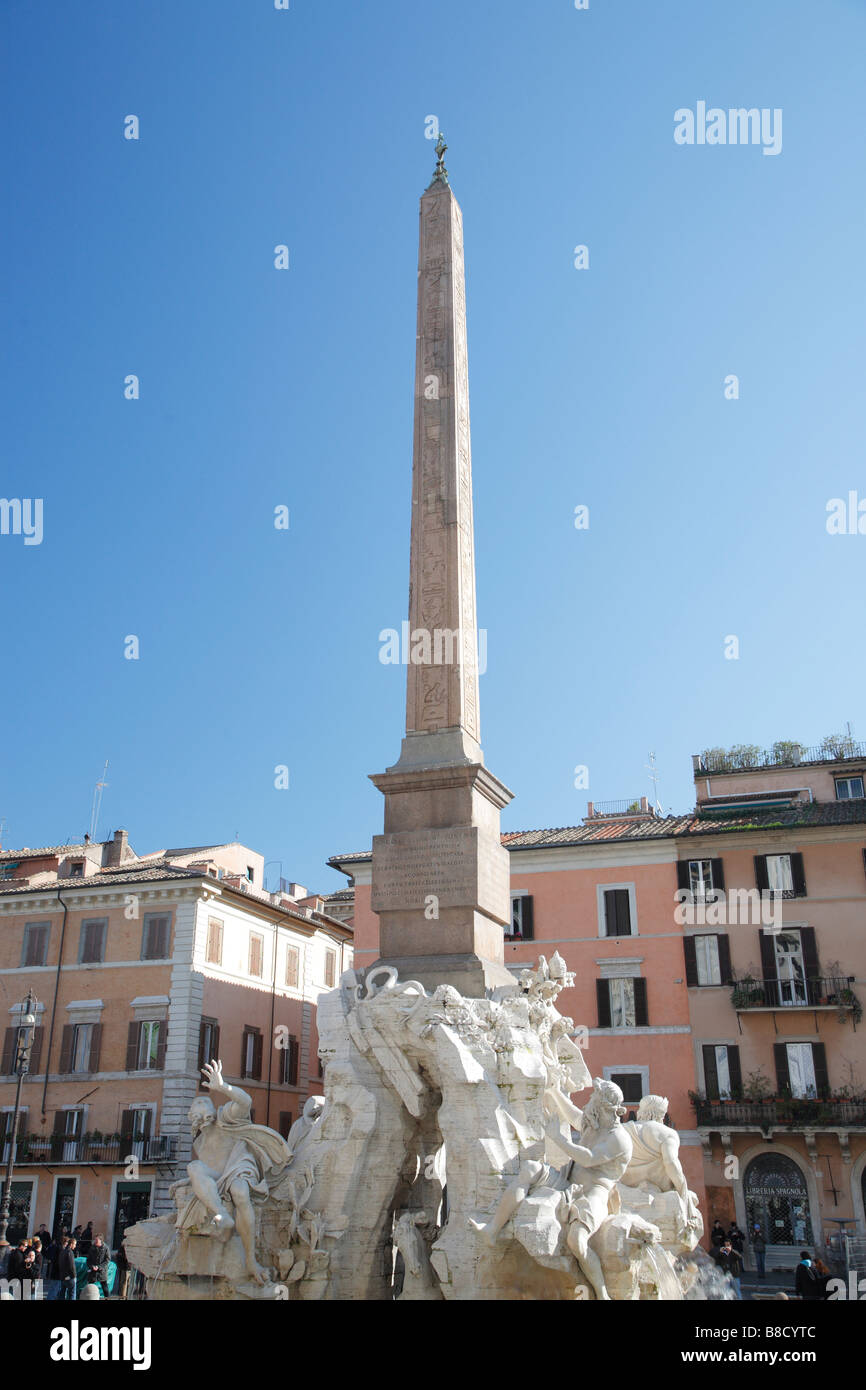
654,778
97,802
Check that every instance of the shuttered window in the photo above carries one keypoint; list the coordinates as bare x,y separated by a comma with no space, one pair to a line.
622,1002
522,918
289,1060
330,968
251,1054
208,1041
155,936
293,966
257,949
617,912
35,944
722,1074
146,1044
92,942
214,951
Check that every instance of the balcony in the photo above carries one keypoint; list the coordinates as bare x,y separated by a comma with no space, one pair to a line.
748,757
819,994
768,1115
58,1149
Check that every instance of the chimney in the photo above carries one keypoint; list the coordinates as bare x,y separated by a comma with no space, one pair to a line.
117,848
297,890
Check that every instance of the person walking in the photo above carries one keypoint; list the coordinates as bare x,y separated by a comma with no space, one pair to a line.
717,1234
86,1240
806,1282
97,1264
38,1260
736,1237
123,1271
759,1250
66,1271
730,1263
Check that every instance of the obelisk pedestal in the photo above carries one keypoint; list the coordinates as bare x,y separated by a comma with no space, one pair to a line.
440,874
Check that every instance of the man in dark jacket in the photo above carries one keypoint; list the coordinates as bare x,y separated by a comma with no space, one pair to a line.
729,1262
16,1264
807,1284
97,1265
66,1269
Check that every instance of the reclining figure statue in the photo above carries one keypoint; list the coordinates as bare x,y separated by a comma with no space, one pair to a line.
234,1159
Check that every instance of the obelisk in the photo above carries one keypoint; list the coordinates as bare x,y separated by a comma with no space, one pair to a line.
440,874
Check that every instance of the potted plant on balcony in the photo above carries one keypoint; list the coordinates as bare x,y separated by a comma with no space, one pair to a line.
747,992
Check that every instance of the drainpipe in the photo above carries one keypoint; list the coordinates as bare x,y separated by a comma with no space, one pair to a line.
271,1045
65,907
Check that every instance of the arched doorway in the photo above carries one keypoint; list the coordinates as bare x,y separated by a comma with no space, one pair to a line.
777,1200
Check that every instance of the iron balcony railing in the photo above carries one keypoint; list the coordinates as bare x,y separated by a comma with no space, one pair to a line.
770,1114
791,755
57,1148
628,807
832,991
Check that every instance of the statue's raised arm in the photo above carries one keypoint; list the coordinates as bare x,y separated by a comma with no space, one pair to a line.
239,1100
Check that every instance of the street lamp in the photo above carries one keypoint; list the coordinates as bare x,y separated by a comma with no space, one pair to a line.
24,1042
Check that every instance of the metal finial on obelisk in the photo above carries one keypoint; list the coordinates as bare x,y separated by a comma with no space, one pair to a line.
440,173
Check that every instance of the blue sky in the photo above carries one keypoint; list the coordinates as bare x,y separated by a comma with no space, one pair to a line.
259,387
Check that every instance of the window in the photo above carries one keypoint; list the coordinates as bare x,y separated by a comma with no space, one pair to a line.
285,1123
701,877
289,1058
35,946
92,944
848,787
7,1124
145,1048
214,950
257,951
616,914
148,1043
80,1058
208,1041
708,959
154,936
79,1047
522,927
722,1075
781,873
76,869
631,1085
801,1069
9,1060
330,968
251,1054
622,1002
293,966
136,1127
68,1129
251,873
789,964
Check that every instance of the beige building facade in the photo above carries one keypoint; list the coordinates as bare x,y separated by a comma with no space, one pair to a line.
143,967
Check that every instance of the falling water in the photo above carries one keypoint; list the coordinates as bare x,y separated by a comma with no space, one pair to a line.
664,1273
701,1279
169,1249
